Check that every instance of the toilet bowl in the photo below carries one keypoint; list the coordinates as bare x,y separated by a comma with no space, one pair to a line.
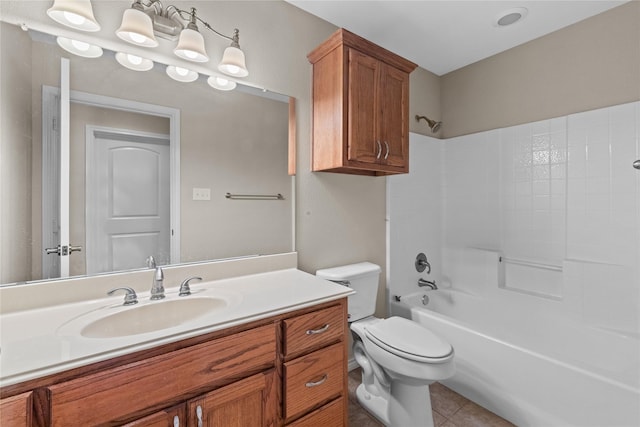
399,358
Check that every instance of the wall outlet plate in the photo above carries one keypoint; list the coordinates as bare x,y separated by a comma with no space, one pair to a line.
201,194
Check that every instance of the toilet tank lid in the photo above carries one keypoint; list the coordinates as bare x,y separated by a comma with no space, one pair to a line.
349,272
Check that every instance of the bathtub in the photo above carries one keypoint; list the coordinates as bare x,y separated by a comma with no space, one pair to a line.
531,368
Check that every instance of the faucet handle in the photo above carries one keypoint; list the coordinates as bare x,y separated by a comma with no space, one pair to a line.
130,297
184,286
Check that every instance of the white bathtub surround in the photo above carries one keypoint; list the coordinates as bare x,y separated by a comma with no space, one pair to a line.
539,234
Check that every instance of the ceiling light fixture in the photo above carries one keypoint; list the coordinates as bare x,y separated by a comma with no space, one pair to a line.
510,17
77,14
144,20
79,48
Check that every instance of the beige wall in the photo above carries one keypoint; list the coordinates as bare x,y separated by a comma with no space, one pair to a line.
591,64
15,156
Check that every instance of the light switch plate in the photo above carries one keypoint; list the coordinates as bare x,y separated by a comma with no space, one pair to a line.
201,194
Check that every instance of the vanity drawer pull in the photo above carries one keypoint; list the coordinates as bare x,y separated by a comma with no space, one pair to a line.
319,330
199,415
317,383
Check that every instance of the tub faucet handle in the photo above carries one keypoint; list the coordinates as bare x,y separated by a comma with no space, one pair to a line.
422,263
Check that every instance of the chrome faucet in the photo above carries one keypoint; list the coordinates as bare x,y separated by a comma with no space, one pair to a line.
431,284
157,289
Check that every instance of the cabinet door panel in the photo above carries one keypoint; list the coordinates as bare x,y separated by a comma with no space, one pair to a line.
15,411
364,143
249,402
394,122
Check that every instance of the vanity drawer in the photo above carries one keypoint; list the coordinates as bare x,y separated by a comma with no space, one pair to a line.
330,415
313,330
313,379
117,394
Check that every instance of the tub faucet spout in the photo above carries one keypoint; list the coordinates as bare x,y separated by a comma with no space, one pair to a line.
431,284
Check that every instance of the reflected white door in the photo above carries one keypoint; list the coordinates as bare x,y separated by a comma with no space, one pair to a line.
128,190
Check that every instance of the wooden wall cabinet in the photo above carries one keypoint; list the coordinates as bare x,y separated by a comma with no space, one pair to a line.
290,368
360,107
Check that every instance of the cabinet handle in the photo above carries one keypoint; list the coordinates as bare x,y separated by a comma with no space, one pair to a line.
176,421
317,383
199,415
318,331
386,144
379,150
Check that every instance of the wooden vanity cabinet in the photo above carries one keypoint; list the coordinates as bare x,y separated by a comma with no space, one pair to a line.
287,369
360,107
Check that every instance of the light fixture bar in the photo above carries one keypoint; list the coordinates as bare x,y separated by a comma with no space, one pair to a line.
143,20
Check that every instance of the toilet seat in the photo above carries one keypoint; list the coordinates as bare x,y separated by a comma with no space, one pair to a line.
409,340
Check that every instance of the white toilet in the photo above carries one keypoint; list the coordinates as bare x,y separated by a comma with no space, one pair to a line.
399,358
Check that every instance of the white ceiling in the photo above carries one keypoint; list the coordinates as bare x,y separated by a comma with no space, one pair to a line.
444,35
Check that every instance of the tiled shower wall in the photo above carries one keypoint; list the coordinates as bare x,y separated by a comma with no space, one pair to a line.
556,202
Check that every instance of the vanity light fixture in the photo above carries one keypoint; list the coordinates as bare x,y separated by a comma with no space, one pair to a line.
143,21
77,14
181,74
134,62
221,83
79,48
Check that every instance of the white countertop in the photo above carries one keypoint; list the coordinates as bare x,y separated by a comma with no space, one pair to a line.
39,342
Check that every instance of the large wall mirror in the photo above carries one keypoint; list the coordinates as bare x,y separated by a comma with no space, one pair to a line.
150,163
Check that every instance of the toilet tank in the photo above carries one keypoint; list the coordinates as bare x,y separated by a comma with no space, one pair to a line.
363,278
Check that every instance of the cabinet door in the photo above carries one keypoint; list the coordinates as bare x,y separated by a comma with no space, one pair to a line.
393,125
15,411
364,142
249,402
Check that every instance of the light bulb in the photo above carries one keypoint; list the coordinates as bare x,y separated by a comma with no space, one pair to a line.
82,46
134,59
182,71
74,18
138,38
233,69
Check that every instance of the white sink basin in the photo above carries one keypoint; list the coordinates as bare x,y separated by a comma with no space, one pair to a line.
152,317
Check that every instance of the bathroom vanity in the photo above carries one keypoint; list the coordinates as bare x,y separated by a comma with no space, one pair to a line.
274,355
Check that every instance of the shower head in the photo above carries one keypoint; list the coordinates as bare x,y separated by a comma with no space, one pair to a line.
433,125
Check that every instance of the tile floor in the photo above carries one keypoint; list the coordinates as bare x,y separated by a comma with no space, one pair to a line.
449,409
